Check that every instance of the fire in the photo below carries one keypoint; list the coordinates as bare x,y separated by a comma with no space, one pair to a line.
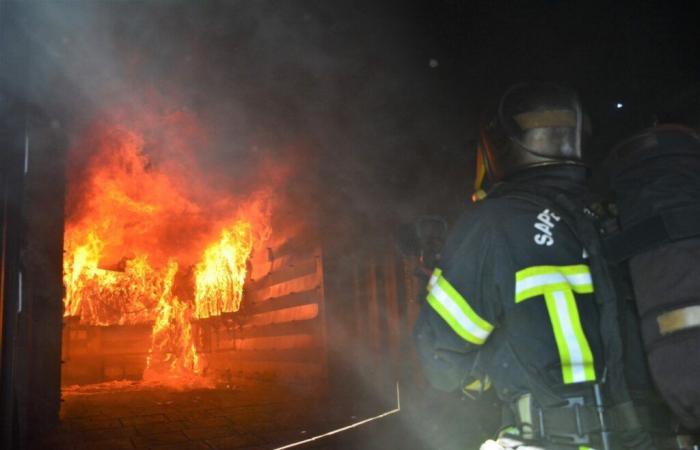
146,243
222,272
114,297
172,349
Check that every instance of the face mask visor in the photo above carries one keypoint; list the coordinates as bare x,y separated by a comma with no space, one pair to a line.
545,122
481,169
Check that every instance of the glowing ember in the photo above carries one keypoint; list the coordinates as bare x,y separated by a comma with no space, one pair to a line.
136,227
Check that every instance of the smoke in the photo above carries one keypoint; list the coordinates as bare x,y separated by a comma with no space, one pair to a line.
344,92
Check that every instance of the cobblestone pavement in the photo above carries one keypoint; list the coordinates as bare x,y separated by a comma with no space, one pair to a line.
131,415
255,415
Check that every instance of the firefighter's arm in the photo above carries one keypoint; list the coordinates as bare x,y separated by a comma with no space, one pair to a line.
462,305
447,359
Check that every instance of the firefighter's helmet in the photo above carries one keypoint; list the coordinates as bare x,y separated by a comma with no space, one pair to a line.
533,125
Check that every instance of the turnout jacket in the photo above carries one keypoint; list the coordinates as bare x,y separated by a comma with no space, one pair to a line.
512,297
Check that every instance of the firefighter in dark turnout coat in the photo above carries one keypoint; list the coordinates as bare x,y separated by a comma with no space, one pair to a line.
513,298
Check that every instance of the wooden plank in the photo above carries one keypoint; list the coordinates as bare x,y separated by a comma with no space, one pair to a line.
286,301
231,357
293,371
323,324
125,343
280,329
143,352
305,283
287,273
96,369
359,312
298,245
372,325
291,259
303,312
89,371
125,332
392,308
277,342
122,351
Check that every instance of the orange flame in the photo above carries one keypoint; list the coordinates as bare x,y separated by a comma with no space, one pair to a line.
133,221
172,348
220,276
116,297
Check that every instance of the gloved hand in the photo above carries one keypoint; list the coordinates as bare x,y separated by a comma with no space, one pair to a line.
506,444
491,445
446,358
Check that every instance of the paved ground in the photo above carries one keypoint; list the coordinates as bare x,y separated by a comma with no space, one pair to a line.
256,416
128,415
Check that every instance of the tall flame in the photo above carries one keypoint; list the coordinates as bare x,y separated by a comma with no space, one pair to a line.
172,347
221,273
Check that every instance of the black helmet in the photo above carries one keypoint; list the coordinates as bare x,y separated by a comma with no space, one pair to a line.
534,125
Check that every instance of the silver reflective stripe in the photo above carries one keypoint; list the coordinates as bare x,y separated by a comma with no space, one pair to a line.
524,408
576,361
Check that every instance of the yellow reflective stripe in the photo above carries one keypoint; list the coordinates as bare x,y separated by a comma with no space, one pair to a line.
455,310
537,280
433,278
557,285
478,386
545,270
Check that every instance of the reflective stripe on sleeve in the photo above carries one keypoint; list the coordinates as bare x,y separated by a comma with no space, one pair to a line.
455,310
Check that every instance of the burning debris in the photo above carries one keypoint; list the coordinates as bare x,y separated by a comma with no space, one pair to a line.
142,247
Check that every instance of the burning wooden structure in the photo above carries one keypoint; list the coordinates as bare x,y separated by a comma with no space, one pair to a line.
320,303
126,259
171,281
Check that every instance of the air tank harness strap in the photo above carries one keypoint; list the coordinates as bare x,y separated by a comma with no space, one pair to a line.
668,226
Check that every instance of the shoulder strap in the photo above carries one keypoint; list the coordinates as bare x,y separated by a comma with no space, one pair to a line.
667,226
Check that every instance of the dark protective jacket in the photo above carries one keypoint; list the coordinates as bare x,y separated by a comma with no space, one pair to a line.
513,290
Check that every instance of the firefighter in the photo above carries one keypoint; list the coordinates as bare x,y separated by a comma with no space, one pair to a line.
513,303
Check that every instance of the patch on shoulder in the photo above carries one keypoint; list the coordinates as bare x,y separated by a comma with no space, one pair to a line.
545,223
